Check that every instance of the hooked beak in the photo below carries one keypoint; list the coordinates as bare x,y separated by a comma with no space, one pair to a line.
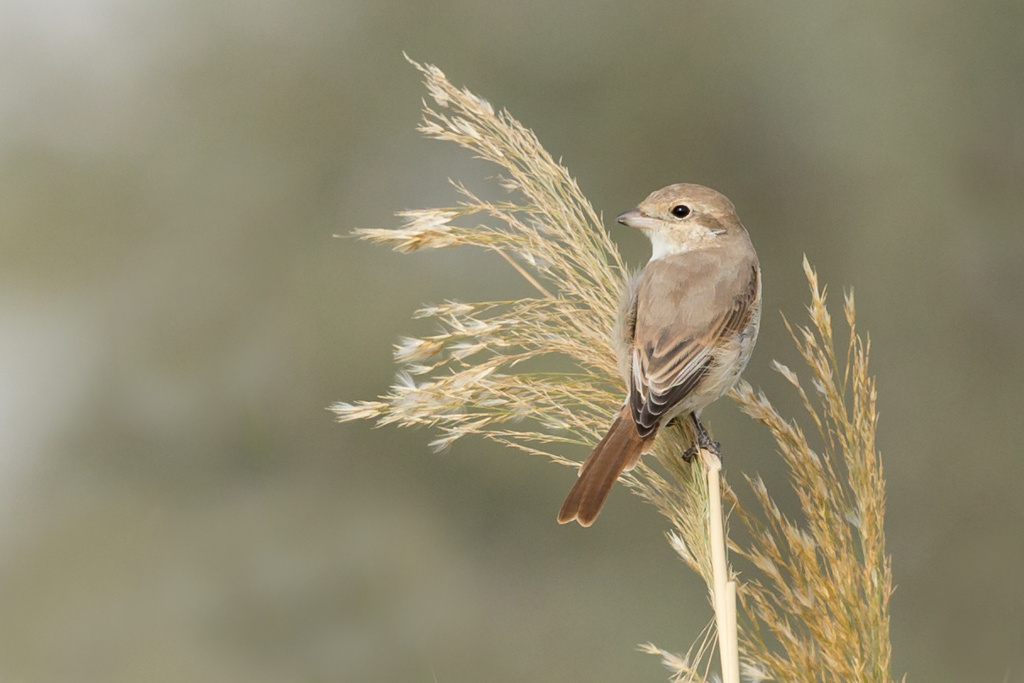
635,218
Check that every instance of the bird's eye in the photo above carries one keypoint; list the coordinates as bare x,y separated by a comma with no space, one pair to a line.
681,211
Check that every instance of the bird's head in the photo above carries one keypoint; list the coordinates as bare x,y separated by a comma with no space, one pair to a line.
684,217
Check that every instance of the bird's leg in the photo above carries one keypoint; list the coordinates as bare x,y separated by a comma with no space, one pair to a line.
703,441
688,454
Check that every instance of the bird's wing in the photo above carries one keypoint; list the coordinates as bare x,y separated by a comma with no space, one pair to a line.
674,354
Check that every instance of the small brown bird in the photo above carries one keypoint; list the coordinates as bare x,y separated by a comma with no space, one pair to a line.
686,329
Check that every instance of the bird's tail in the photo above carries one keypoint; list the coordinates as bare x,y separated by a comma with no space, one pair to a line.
619,450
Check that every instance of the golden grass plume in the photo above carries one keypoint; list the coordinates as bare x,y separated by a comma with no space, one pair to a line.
815,607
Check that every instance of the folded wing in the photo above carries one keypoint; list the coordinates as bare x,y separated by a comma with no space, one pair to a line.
687,315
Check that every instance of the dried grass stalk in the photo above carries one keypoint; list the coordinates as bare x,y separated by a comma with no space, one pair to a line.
820,609
817,607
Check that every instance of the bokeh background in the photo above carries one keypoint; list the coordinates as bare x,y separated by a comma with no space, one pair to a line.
175,316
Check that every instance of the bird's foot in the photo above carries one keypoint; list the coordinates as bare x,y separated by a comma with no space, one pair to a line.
704,440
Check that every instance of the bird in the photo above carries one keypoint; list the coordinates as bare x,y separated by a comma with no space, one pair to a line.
685,330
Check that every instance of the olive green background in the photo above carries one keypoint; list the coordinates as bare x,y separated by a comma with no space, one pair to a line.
175,316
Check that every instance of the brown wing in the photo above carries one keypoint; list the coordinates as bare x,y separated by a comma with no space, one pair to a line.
673,349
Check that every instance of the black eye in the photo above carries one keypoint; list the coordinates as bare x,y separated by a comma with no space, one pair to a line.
681,211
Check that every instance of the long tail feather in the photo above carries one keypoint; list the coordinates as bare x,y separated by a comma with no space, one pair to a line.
619,450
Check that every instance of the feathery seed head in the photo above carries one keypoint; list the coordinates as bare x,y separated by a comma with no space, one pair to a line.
815,607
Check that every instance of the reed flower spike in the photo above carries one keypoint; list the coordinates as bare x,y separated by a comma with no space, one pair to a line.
812,603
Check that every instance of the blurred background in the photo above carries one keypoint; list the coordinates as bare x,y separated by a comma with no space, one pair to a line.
175,316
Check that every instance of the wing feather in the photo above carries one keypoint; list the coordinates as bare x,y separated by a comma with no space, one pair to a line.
668,369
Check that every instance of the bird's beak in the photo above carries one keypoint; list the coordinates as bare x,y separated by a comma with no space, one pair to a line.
629,217
635,218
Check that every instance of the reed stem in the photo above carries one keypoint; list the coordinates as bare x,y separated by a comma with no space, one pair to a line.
723,593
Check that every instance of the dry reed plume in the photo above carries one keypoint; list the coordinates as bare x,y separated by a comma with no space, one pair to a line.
815,604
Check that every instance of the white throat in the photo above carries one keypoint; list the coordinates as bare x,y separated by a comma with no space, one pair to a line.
663,244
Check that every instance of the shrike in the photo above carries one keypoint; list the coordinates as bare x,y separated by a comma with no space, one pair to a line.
685,331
